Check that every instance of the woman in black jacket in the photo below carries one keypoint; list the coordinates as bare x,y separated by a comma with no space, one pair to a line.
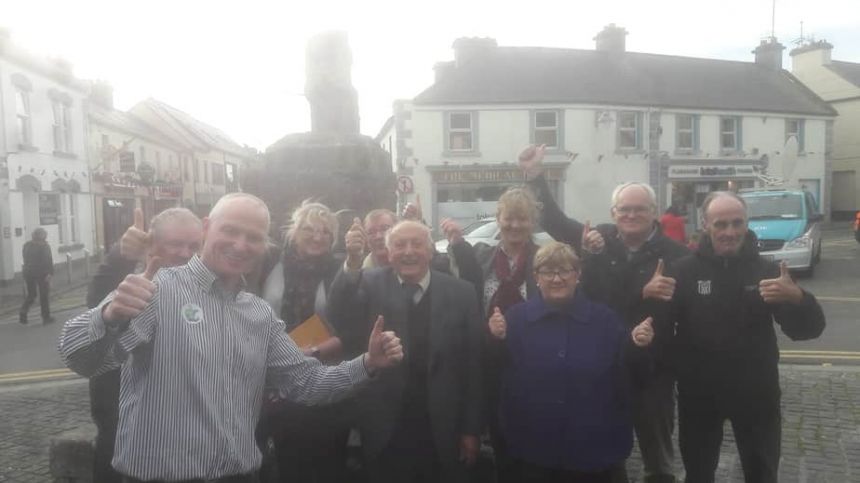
37,271
309,443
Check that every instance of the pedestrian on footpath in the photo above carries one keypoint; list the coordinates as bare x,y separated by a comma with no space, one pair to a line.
37,271
624,270
197,351
174,236
724,348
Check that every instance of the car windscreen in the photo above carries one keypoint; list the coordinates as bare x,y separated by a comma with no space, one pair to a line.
481,229
775,206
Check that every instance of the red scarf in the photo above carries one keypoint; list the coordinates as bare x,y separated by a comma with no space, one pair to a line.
508,293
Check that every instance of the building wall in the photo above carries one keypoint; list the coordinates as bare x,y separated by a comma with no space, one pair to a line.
590,162
41,169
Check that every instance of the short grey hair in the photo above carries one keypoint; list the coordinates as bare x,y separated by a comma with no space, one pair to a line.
169,216
714,195
378,213
215,212
407,224
652,197
311,212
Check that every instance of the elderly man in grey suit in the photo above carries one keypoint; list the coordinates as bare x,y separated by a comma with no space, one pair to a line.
421,421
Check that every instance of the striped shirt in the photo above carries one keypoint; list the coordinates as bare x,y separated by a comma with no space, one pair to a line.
194,366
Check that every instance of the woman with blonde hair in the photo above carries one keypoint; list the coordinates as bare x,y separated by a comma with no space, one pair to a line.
309,442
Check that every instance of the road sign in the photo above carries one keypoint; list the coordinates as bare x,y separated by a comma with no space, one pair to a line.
405,185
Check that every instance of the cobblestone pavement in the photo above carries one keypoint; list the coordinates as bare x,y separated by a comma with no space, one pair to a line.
820,441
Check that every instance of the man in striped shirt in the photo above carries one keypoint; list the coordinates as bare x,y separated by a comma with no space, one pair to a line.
196,352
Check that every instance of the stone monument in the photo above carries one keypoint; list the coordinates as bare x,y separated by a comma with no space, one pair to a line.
333,164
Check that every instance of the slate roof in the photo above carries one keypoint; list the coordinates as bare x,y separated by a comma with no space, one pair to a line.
849,71
535,75
129,124
209,135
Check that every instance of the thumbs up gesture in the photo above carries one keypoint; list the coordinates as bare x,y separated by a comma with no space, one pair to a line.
355,241
133,294
592,240
643,333
498,324
412,211
659,287
135,242
782,289
383,348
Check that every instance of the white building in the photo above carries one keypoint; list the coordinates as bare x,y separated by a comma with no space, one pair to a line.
133,165
685,125
214,160
838,83
44,177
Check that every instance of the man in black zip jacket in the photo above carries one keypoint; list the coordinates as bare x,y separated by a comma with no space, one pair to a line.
724,348
174,236
626,273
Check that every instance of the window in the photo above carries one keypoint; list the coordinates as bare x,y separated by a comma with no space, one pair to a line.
730,134
49,209
62,127
126,162
22,110
142,151
217,174
629,127
158,173
460,131
196,170
105,140
185,170
546,129
206,172
73,209
794,128
687,133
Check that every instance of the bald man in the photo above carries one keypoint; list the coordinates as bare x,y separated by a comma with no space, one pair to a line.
197,351
726,301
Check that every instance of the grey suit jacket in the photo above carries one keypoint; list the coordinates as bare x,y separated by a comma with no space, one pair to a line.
454,372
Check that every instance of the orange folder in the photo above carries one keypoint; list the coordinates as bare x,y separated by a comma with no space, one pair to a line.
311,332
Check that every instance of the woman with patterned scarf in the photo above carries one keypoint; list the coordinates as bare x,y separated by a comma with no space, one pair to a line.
309,442
507,281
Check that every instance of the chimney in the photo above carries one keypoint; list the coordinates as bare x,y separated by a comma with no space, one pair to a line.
101,93
769,54
442,70
611,39
811,55
468,48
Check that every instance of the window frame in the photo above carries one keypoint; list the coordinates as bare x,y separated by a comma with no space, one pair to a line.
62,126
693,131
24,124
557,129
799,134
472,130
637,131
736,134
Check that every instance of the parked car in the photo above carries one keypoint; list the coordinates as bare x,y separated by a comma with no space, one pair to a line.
486,230
788,226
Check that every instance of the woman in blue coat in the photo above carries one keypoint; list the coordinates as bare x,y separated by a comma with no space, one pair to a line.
565,409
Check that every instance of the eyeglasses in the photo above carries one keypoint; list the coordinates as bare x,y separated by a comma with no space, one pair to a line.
633,210
723,224
311,231
564,273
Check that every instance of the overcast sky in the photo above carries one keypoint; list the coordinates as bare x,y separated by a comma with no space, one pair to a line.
239,65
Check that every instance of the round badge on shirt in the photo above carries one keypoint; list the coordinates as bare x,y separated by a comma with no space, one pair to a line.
192,314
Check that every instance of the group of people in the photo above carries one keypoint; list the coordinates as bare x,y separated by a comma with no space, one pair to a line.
553,355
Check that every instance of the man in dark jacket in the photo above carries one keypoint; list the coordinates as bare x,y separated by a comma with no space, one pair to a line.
725,349
626,274
37,271
174,236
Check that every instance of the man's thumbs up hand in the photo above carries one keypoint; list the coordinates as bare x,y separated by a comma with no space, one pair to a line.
383,348
659,287
133,294
643,333
592,240
782,289
498,325
135,242
355,241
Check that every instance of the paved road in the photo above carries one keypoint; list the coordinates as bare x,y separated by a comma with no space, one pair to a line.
820,441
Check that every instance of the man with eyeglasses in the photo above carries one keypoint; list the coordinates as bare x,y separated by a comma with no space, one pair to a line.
627,275
724,348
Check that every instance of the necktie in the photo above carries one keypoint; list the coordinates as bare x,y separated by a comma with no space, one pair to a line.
409,291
